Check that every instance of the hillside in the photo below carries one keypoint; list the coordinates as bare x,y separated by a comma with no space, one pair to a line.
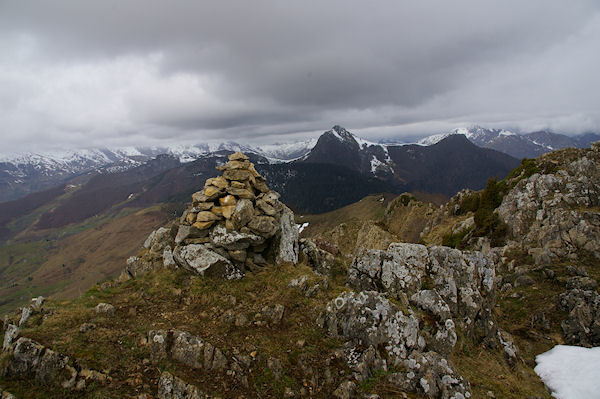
340,312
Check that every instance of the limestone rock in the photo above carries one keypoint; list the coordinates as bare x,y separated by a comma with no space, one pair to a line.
10,334
25,315
320,261
201,259
238,156
266,226
288,238
582,326
242,214
206,216
187,349
203,225
554,211
171,387
369,318
233,240
105,308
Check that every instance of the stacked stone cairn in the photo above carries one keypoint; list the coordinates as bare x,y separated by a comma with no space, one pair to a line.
234,224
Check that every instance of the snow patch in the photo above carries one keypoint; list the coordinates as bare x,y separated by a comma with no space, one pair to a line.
570,372
302,226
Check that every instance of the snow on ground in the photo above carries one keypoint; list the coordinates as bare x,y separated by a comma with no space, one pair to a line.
302,226
570,372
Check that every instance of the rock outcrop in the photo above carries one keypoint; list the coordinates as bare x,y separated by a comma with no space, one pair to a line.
31,359
235,223
439,289
557,211
582,326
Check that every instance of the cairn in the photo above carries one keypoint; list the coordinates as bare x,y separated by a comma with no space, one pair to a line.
234,224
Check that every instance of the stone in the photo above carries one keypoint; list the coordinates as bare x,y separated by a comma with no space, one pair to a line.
36,303
368,318
320,261
190,217
243,213
582,283
10,334
227,211
201,259
105,308
203,206
206,216
265,226
238,175
238,255
168,260
171,387
228,200
265,208
207,194
233,240
218,211
261,185
239,184
241,193
582,326
238,156
219,182
187,349
274,313
231,165
25,315
288,247
203,225
158,339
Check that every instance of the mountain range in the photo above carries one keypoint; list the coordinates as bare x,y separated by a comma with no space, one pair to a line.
529,145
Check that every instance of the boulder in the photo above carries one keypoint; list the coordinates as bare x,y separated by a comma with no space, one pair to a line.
265,226
10,334
171,387
582,326
201,259
320,261
105,308
233,240
187,349
287,251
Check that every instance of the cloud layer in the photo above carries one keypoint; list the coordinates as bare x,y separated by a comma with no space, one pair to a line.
141,72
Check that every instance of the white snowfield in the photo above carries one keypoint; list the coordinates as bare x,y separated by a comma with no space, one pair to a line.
570,372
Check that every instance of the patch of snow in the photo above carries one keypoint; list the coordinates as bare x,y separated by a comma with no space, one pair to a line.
570,372
433,139
302,226
375,163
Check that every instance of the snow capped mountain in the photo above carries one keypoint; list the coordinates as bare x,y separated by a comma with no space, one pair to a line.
476,134
287,151
528,145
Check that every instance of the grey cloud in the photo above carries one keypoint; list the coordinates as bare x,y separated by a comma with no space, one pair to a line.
86,72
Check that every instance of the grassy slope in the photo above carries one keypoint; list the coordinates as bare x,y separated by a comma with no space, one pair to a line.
368,208
68,261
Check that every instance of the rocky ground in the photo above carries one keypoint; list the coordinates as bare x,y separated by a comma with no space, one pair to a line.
228,302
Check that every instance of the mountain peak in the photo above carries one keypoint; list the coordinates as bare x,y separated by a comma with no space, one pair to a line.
342,134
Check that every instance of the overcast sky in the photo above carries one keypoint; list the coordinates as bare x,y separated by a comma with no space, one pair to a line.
143,72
